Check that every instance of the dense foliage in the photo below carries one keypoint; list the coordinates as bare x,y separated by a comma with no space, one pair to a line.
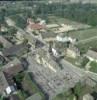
93,65
19,21
84,61
2,16
85,13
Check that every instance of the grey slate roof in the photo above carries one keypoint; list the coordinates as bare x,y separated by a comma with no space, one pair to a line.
5,42
14,97
3,82
7,73
15,50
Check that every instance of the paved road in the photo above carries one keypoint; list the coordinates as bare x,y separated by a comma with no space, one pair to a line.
70,67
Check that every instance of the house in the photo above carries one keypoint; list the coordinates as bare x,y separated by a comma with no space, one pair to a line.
35,26
15,50
92,55
7,84
13,67
3,83
35,42
64,39
32,26
57,48
5,42
12,70
72,51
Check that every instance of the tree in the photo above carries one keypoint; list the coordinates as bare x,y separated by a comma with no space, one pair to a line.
2,16
12,31
1,45
85,60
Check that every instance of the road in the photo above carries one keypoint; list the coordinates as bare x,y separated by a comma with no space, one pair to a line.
81,72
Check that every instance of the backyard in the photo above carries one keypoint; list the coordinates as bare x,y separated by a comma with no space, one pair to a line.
27,86
87,38
93,65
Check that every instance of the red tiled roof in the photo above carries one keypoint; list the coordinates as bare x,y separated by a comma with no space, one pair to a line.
36,26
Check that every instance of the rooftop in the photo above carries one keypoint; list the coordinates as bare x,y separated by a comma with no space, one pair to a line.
5,42
3,82
15,49
36,26
8,71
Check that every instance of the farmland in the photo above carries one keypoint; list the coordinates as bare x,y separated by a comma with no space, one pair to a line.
62,20
84,34
87,38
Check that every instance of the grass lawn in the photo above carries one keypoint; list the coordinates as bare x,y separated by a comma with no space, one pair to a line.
60,20
83,34
85,46
20,95
29,87
64,96
33,87
71,97
29,83
93,65
59,97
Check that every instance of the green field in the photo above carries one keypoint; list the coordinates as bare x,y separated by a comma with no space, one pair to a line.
84,34
88,45
93,65
33,86
87,38
61,20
